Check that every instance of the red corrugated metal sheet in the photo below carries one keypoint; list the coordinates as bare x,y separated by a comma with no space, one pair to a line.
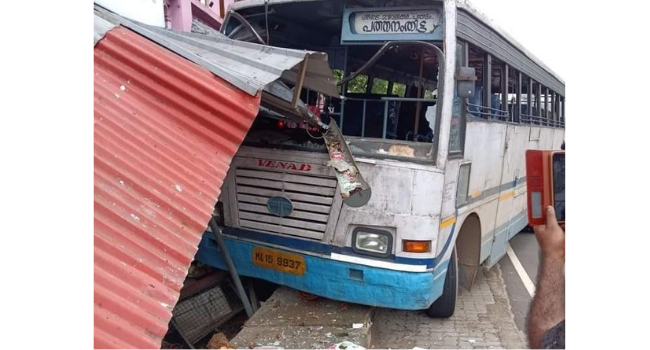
165,133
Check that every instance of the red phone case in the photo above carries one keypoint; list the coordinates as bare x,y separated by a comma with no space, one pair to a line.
538,190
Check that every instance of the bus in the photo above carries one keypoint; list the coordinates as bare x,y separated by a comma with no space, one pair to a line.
437,105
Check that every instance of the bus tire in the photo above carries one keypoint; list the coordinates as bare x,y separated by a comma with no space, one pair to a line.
445,306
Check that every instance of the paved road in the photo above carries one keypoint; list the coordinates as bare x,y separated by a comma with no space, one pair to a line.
527,252
492,315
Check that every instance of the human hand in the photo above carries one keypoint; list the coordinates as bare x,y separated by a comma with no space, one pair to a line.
550,236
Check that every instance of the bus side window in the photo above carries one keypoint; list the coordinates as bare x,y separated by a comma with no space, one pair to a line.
475,60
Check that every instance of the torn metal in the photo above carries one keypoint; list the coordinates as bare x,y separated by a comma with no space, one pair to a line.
355,191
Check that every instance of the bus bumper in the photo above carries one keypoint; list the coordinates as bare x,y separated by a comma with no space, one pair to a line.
333,279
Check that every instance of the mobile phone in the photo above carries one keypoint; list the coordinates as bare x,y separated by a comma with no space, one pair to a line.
557,184
545,185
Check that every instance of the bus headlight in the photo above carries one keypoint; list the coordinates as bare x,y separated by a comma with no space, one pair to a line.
372,241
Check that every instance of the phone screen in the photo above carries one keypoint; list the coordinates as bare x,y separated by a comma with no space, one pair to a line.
558,186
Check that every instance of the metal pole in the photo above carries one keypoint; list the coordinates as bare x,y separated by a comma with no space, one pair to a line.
553,107
344,87
487,86
251,290
538,102
529,98
369,84
504,89
231,267
518,107
385,119
301,79
363,120
546,114
418,105
564,110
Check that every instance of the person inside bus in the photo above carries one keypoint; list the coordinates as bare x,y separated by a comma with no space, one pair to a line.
546,318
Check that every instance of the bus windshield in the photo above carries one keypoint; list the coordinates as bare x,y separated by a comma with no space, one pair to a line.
389,109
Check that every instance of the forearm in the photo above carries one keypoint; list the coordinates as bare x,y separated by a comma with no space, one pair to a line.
547,308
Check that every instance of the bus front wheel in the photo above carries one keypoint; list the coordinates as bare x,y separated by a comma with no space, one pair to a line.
445,306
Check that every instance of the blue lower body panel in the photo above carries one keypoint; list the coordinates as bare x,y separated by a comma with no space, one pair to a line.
334,279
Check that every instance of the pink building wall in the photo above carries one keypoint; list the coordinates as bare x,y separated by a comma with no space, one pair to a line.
179,13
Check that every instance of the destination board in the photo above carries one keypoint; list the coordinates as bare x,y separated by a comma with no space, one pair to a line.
368,25
396,22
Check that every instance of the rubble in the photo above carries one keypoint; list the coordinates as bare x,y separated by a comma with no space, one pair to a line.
218,341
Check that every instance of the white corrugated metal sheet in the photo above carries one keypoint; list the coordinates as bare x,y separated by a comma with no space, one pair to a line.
248,66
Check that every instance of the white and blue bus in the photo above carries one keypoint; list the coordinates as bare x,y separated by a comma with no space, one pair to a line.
438,106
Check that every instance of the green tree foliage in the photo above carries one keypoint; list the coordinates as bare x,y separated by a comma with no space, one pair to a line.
356,85
380,86
399,89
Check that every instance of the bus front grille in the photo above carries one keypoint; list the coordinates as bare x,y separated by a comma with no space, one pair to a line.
311,198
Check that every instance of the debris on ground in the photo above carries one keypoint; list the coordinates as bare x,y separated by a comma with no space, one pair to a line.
307,296
218,341
346,345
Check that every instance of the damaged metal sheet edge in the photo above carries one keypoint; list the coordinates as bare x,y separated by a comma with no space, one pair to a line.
354,190
318,78
190,56
102,26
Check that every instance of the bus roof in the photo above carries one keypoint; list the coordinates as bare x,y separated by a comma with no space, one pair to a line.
467,6
461,4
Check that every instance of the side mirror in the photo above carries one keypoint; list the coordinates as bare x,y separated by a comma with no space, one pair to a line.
465,82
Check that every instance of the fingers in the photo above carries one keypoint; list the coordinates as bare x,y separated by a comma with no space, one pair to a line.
551,220
539,232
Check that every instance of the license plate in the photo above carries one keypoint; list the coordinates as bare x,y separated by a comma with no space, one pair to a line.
275,260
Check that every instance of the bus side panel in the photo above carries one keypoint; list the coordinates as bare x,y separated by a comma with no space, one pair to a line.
509,217
546,138
450,188
485,147
449,223
520,218
506,196
558,138
516,159
538,138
